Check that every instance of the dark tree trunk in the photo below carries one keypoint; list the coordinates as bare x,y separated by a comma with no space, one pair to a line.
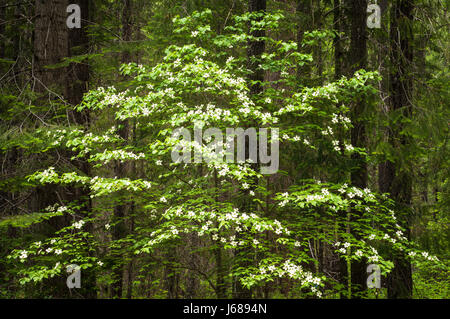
396,180
304,14
221,288
53,41
337,41
122,169
77,85
357,59
383,62
255,50
193,262
339,67
50,44
2,28
78,73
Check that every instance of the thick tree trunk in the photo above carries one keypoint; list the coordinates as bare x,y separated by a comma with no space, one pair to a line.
396,180
51,44
78,73
122,169
193,259
337,41
77,85
255,50
304,15
221,288
339,67
2,28
357,59
53,41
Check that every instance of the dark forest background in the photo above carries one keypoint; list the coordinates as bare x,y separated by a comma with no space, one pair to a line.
87,179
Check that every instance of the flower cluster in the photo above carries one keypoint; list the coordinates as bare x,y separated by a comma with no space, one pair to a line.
78,224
